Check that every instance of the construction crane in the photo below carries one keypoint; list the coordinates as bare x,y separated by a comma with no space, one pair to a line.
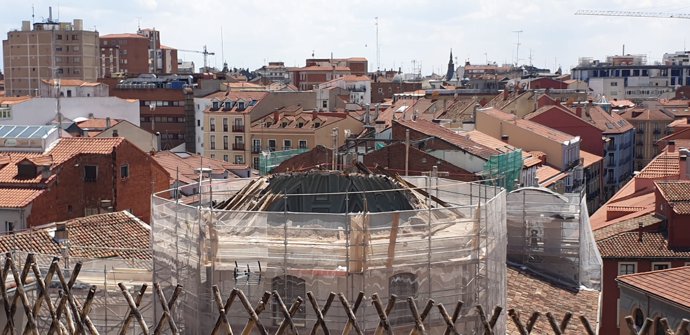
206,53
632,14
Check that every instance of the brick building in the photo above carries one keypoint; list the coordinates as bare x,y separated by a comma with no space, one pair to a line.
136,54
643,227
50,50
77,177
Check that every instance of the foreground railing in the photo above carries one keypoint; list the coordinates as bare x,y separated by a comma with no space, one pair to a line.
68,315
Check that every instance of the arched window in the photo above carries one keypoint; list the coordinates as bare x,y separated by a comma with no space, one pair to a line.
638,318
403,285
289,288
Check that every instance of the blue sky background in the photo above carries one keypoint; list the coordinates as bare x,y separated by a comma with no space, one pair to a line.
256,31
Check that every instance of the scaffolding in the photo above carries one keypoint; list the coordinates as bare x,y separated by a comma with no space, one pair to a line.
268,160
450,247
549,233
504,170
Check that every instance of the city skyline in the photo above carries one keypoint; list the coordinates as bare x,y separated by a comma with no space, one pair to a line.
410,32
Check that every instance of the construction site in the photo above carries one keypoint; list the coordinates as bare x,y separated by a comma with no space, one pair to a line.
329,231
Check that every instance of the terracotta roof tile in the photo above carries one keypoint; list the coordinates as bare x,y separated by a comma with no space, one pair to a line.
645,114
626,226
18,197
96,123
186,164
528,293
118,234
460,141
670,284
628,245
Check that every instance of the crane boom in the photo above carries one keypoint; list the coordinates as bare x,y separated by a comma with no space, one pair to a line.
206,53
632,14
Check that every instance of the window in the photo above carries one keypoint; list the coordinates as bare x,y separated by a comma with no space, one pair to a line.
256,145
225,124
302,144
9,226
287,144
225,143
198,123
90,173
124,171
626,268
225,158
614,83
403,285
638,318
213,124
289,288
213,142
325,104
239,159
272,145
660,266
255,163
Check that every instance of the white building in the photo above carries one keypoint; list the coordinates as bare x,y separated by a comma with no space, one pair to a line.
359,88
42,111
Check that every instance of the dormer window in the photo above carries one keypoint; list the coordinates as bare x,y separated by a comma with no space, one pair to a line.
240,105
300,124
228,105
284,125
26,171
215,105
317,124
267,124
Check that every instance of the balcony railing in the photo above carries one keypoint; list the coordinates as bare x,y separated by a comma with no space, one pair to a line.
238,146
238,128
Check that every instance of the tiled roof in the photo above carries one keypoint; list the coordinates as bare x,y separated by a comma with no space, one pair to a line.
528,293
118,234
589,159
666,164
628,245
677,193
17,197
186,165
462,142
65,149
96,123
670,284
645,114
536,128
609,123
621,103
626,226
548,175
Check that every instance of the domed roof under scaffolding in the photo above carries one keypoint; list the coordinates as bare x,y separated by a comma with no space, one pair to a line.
327,192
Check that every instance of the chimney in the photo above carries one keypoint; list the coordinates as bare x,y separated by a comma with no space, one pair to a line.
671,146
504,138
313,114
639,232
276,117
50,14
107,123
60,232
505,94
474,113
26,25
683,167
578,111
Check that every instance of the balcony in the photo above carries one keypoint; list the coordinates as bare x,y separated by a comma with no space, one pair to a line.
238,128
256,149
657,131
238,146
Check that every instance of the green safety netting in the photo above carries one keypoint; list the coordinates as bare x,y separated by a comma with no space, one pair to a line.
504,170
268,160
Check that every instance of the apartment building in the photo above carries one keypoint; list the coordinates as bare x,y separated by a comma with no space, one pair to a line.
49,50
650,126
136,54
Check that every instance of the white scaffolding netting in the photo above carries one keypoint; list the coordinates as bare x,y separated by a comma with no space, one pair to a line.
450,252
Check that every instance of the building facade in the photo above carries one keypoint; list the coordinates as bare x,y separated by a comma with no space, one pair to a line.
650,126
138,53
49,50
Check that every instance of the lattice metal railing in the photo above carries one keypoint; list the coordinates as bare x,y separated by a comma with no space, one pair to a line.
67,315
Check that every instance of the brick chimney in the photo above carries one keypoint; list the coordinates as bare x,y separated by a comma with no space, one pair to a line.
578,111
671,146
683,167
505,94
276,117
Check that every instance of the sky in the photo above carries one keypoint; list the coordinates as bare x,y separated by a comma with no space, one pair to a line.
412,34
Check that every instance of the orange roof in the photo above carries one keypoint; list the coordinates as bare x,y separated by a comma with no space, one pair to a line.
14,100
96,123
621,103
589,159
18,197
532,126
670,284
547,175
677,194
645,114
186,164
460,141
636,244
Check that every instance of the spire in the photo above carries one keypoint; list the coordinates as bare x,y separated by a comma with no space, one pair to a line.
451,67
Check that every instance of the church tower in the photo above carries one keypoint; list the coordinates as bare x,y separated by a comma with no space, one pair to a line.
451,67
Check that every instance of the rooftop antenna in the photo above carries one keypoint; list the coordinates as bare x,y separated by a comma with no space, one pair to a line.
138,23
222,46
33,18
312,52
378,49
517,48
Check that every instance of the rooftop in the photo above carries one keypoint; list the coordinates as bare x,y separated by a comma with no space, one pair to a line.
462,142
644,114
637,244
536,128
187,164
528,293
118,234
669,284
677,194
